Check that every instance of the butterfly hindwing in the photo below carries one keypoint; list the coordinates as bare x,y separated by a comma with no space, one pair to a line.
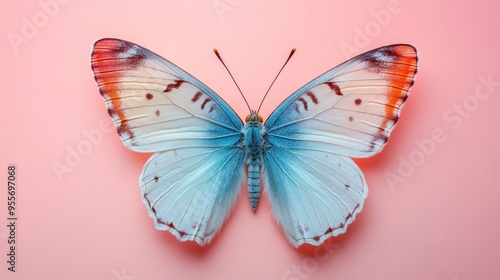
190,191
314,195
350,111
192,180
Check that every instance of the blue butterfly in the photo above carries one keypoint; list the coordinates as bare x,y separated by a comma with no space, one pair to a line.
302,152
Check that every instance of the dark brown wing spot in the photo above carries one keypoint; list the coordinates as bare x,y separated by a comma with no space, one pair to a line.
123,46
156,178
205,103
196,97
357,206
329,230
111,111
347,186
175,85
181,233
133,60
124,128
372,147
211,109
171,225
303,102
381,136
157,113
374,61
149,96
333,86
348,216
351,118
312,96
358,101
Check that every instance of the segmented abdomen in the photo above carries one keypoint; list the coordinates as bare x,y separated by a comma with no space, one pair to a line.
254,183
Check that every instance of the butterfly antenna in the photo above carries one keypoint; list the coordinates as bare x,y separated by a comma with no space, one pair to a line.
265,95
220,58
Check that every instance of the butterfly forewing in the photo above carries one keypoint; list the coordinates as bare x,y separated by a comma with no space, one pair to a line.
147,95
315,189
350,109
191,182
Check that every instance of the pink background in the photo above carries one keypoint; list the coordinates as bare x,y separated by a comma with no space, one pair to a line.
439,220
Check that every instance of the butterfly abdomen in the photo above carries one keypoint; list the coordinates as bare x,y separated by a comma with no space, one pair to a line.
253,131
254,184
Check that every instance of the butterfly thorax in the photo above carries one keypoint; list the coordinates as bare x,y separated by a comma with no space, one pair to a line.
253,142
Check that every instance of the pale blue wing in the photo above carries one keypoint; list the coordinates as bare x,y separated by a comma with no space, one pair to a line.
315,189
191,181
314,195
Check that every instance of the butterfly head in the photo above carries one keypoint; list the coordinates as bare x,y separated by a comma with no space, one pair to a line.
253,118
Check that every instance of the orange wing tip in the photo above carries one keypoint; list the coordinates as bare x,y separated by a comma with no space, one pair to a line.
399,65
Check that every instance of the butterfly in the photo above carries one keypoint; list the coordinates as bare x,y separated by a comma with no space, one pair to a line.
203,152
